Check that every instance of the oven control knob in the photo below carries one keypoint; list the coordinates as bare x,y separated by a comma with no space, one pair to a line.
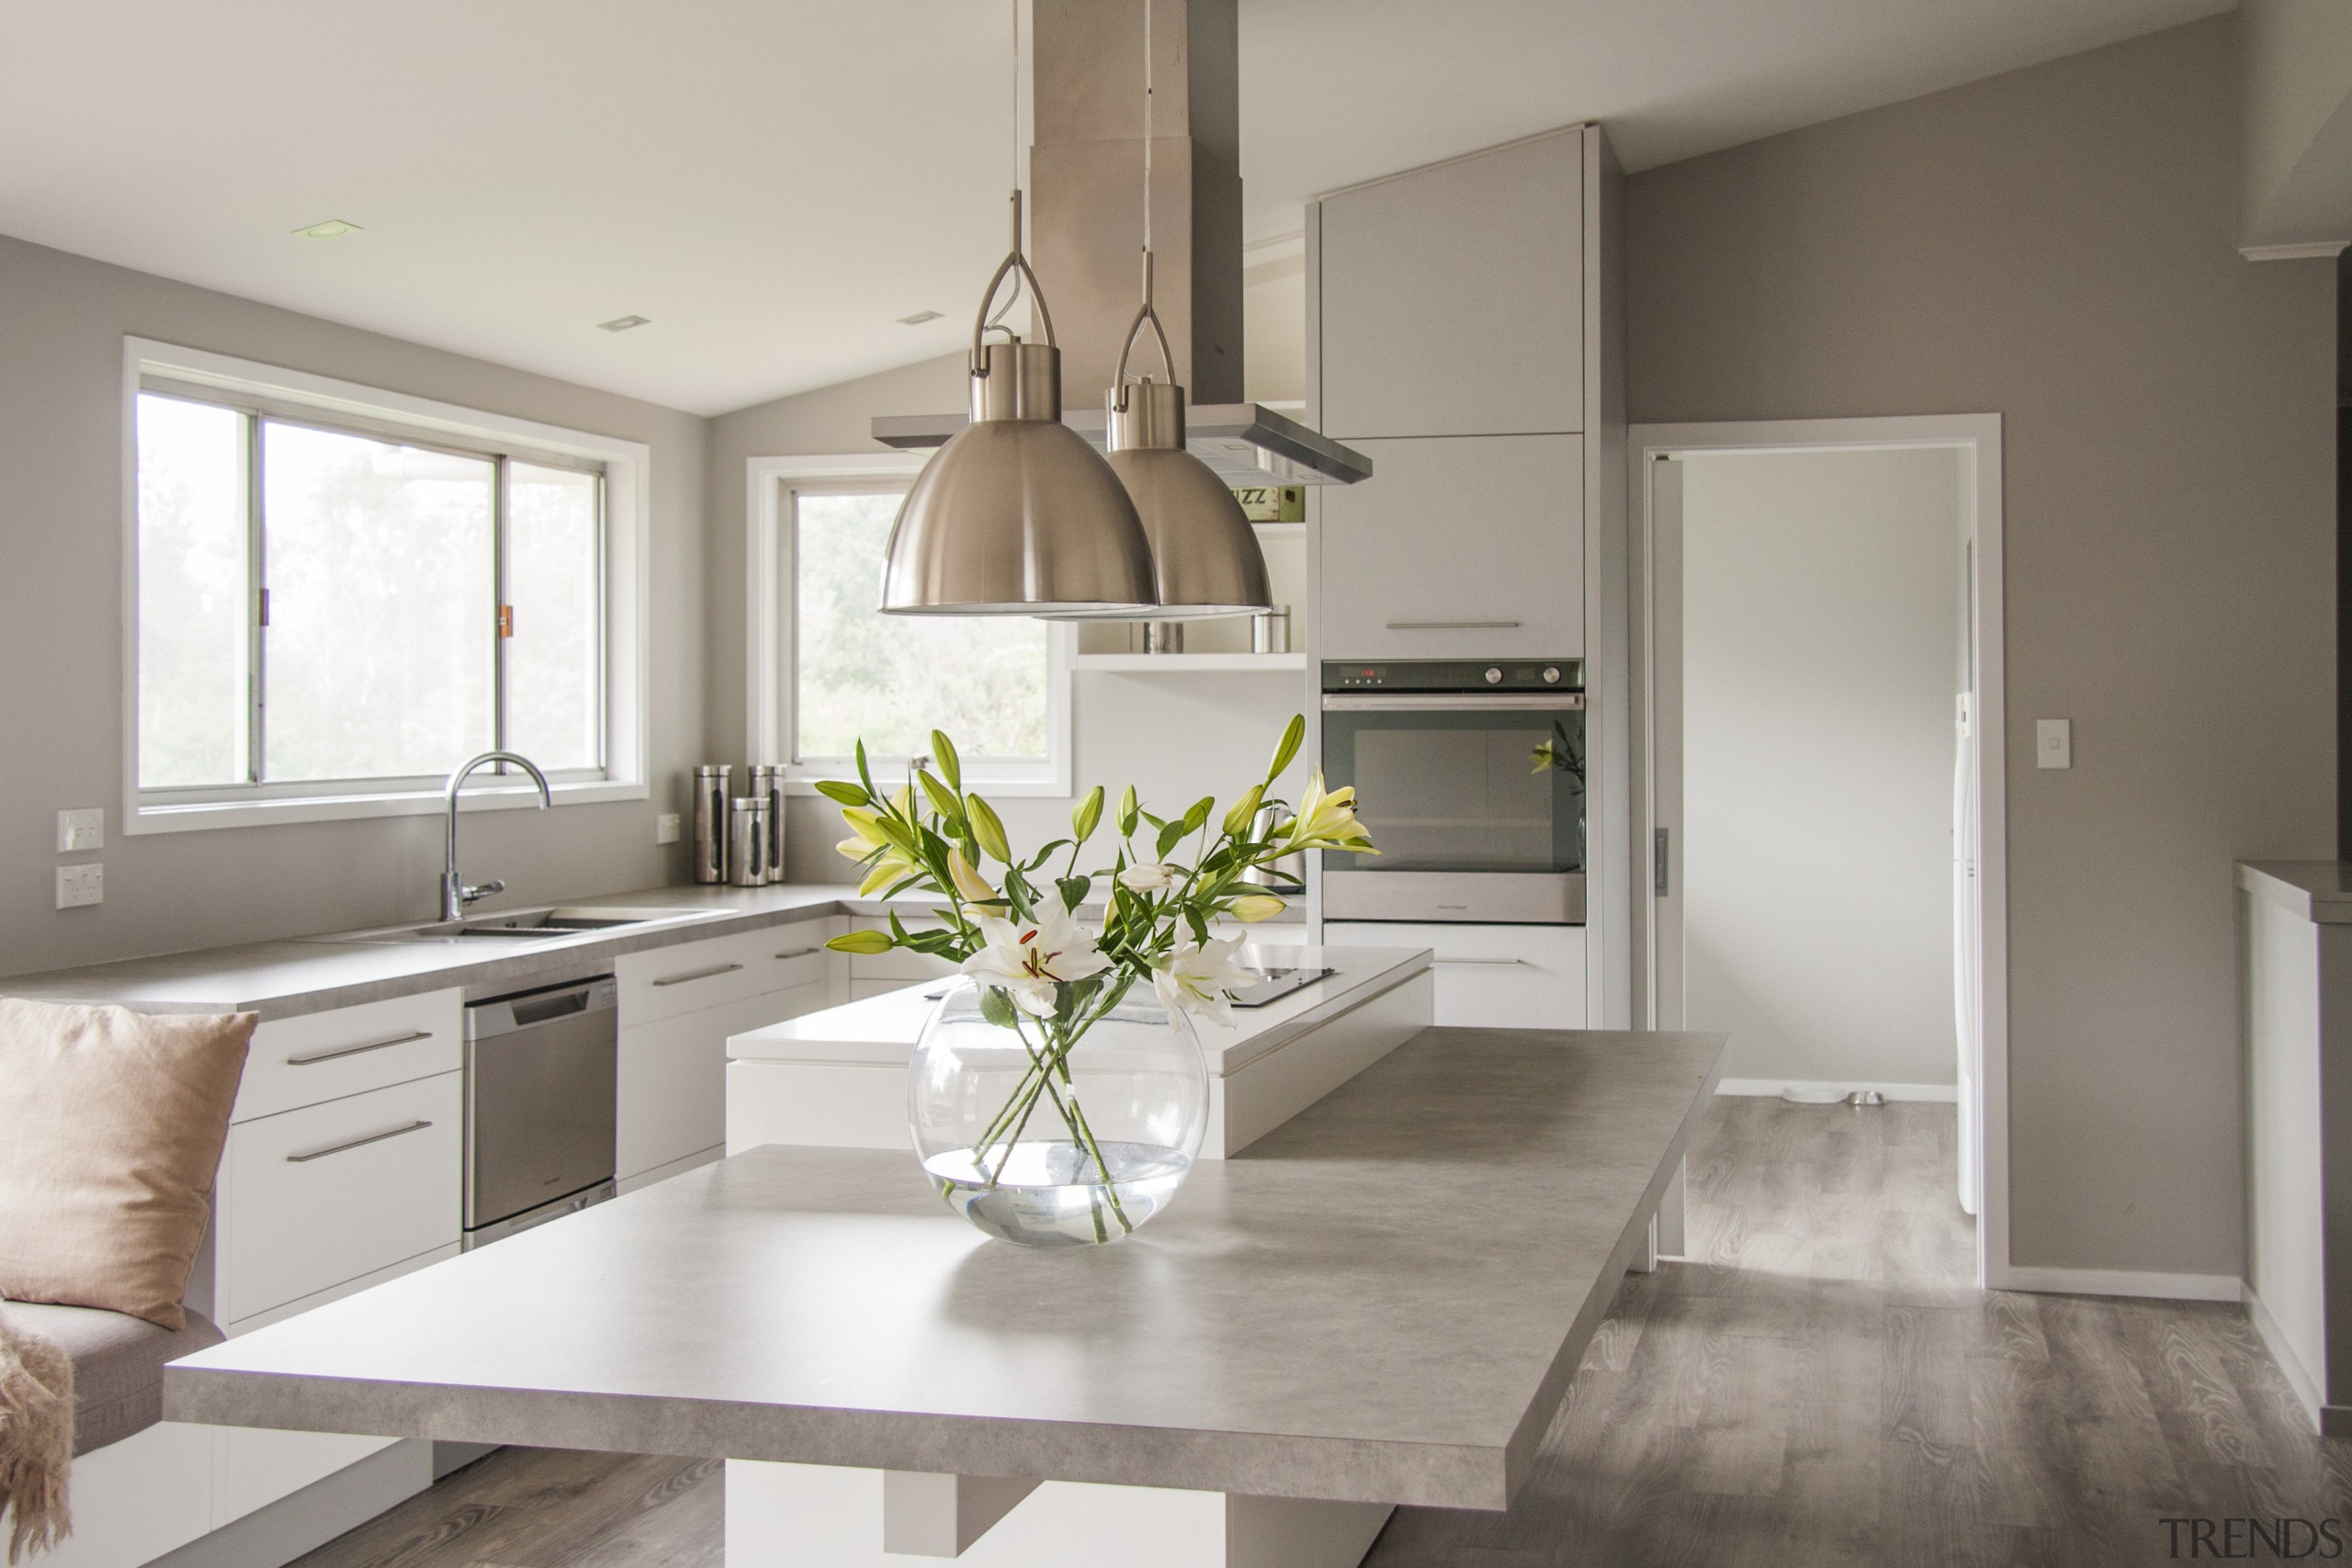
1551,675
1494,674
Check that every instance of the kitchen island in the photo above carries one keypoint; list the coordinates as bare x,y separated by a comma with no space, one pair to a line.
1381,1302
838,1078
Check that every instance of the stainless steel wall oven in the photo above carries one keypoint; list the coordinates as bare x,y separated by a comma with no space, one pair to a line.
1469,774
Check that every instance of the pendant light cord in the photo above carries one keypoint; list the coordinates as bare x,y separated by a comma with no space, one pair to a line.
1147,312
1014,262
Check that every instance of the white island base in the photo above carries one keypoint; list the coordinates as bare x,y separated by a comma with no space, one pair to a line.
814,1516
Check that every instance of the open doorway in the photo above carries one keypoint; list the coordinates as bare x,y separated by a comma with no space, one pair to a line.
1818,625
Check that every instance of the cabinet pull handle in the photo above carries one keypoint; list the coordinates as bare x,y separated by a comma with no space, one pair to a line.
698,975
800,952
356,1143
1451,626
311,1057
1520,961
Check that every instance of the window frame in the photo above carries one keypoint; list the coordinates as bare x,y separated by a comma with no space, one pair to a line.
771,676
262,391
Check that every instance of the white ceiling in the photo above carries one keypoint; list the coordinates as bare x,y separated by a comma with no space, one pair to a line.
774,182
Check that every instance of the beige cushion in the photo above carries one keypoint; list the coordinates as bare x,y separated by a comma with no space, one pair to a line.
111,1125
117,1364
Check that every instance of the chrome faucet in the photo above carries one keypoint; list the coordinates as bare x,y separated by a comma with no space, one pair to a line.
455,893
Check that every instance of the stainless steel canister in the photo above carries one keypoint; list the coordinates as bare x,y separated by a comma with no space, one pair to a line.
746,842
710,821
1286,876
767,783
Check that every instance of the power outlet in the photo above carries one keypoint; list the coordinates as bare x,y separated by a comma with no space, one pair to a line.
665,828
80,885
82,829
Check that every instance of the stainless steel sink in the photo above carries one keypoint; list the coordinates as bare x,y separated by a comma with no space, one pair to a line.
525,926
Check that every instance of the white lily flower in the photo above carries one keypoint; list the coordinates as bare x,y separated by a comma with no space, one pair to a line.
1197,980
1027,959
1148,878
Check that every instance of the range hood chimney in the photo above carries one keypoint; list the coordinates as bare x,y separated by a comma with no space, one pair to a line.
1086,181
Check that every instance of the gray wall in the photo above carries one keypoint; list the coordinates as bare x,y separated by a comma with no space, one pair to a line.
2056,246
1821,653
62,319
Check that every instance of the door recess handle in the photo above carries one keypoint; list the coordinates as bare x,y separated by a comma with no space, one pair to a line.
309,1057
1449,626
1659,885
356,1143
698,975
1502,962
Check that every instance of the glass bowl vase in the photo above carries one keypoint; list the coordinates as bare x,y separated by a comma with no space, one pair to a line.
1070,1130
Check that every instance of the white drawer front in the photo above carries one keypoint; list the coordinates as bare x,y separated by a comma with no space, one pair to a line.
314,1197
1490,976
326,1055
673,1089
695,975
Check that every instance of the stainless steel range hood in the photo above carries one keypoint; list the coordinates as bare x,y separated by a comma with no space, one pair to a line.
1085,183
1246,444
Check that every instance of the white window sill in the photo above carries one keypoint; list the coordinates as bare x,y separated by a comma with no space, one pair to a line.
892,775
161,817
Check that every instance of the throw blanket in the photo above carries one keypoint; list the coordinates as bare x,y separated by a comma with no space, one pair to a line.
36,1437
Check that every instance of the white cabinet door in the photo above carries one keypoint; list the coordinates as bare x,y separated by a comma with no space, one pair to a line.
1489,976
1466,547
673,1084
1453,296
311,1198
326,1055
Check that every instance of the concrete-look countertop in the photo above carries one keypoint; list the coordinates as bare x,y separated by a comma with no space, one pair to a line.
285,979
882,1031
1382,1300
2318,890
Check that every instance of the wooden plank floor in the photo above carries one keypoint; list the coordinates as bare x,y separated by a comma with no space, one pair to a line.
1818,1385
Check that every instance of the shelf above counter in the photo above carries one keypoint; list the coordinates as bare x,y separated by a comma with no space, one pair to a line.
1188,663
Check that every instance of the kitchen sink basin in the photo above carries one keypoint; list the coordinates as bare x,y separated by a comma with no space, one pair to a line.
525,926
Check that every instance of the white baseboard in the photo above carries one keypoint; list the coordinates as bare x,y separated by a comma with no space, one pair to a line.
1948,1093
2119,1282
2290,1366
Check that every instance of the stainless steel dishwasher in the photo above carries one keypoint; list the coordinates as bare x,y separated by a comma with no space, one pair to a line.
540,1071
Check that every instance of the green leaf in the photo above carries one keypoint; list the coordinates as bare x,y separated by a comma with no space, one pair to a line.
1237,821
944,752
863,941
1088,813
1045,852
1129,811
865,777
988,829
1170,836
1200,813
840,790
1292,735
1200,926
943,799
890,828
1020,894
1074,890
996,1007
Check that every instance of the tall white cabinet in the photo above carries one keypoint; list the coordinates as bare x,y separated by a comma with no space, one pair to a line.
1466,329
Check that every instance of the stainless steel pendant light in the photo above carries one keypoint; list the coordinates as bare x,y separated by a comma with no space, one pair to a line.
1204,555
1017,515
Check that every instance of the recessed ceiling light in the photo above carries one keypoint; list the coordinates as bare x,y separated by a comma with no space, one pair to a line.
622,323
333,228
919,318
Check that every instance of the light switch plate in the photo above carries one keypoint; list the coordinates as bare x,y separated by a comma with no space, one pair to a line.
80,885
2053,742
82,829
665,828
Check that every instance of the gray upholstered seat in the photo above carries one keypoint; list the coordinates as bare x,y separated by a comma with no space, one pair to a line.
117,1364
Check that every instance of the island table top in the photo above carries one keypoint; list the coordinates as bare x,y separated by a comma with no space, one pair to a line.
1382,1300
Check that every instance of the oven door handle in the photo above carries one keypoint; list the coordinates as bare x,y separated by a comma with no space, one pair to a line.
1454,702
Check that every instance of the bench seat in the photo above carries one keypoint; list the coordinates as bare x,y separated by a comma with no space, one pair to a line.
117,1364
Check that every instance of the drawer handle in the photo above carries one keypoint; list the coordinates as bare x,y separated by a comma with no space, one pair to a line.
699,975
1451,626
1520,962
311,1057
356,1143
798,952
